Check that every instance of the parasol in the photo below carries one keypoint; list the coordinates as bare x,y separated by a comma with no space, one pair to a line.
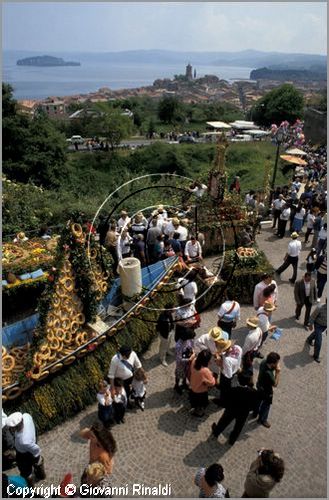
295,151
293,159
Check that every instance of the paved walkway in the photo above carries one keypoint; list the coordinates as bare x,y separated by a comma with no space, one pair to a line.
165,444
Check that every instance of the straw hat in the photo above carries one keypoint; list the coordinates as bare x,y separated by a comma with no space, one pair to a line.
222,345
175,221
215,333
123,212
253,322
160,207
268,306
294,235
21,235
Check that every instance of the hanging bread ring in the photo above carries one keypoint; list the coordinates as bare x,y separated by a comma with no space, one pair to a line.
111,332
55,368
14,393
37,359
67,266
78,339
68,284
103,287
54,344
36,372
53,356
50,336
60,334
56,301
61,292
21,355
8,363
67,339
4,351
6,379
82,353
45,351
92,253
43,375
76,230
74,326
69,360
81,318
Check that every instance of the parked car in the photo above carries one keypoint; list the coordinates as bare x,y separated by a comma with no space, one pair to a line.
241,138
186,139
76,139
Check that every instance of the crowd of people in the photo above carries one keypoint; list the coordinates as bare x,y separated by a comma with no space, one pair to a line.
213,363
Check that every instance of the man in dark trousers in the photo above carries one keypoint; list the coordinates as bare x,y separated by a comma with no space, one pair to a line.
268,377
305,295
318,321
165,327
28,454
291,257
240,401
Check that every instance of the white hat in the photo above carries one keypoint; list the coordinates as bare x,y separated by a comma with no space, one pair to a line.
14,419
4,419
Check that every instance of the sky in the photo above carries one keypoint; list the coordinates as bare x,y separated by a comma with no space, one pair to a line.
203,26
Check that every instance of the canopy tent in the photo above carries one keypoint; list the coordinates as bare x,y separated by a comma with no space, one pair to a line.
256,132
219,125
212,133
243,125
293,159
295,151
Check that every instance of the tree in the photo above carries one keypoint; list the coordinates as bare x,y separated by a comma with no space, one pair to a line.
167,109
33,148
115,128
282,103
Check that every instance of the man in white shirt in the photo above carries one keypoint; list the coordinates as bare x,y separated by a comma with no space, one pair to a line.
123,364
210,341
266,281
228,314
253,340
124,220
229,364
188,287
277,206
291,257
193,251
28,453
264,318
283,219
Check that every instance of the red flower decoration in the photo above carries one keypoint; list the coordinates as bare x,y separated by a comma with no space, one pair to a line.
51,277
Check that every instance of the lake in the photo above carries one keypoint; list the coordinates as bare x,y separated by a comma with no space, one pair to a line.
38,83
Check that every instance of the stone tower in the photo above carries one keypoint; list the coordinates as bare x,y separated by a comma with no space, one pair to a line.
188,72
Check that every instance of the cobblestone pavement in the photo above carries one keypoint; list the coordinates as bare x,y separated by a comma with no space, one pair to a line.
165,444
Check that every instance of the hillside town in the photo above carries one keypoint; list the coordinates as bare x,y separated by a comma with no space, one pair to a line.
188,87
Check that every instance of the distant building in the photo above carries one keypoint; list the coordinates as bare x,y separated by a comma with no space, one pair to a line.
194,74
28,106
188,72
53,108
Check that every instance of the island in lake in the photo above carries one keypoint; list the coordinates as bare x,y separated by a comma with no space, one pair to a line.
45,61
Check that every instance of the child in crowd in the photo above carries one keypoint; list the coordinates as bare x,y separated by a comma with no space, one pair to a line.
119,401
138,387
105,408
